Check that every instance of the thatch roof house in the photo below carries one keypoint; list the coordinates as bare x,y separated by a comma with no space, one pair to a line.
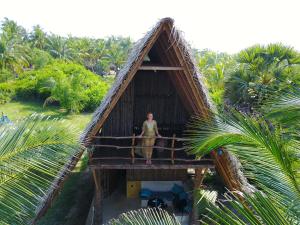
160,76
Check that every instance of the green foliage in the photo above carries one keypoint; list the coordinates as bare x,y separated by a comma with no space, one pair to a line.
149,216
6,75
59,48
285,109
38,37
47,68
268,157
71,85
39,58
6,92
32,154
262,71
205,198
256,209
215,67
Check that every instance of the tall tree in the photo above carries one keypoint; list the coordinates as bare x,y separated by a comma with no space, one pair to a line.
38,37
59,48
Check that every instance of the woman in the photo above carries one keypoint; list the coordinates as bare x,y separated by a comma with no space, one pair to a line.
149,131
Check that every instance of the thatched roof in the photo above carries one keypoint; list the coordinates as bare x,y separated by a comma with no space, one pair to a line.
135,57
230,163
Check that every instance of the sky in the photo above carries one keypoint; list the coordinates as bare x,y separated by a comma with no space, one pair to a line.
219,25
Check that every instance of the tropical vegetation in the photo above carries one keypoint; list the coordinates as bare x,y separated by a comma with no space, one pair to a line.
257,92
32,154
66,71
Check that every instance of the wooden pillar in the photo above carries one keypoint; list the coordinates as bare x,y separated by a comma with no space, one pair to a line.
97,218
199,177
172,146
132,149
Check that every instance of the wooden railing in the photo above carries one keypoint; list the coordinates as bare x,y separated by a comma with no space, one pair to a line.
133,146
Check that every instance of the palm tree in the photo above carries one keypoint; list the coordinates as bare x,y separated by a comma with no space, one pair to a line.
117,51
214,67
38,37
32,154
13,31
13,55
262,70
59,48
89,52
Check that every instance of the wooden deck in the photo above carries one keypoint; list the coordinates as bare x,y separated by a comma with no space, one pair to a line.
140,163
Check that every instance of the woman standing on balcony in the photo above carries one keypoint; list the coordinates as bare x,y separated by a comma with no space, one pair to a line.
149,131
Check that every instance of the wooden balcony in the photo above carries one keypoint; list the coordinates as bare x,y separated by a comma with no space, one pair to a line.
174,155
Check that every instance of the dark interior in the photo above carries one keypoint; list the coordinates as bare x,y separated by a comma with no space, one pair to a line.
149,91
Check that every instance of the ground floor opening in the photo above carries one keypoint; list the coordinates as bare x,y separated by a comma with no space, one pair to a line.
131,189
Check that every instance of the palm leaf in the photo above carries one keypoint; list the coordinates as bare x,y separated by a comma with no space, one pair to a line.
149,216
285,109
255,210
32,154
268,158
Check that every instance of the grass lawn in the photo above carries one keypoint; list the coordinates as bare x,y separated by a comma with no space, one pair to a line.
72,204
19,110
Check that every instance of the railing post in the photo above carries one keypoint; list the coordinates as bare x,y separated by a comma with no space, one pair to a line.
132,149
172,146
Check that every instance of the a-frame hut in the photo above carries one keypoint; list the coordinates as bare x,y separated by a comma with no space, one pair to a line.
160,76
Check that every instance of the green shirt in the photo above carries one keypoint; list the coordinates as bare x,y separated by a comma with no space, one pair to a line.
150,128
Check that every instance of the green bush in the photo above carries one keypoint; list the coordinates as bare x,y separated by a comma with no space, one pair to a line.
7,91
5,75
71,85
40,58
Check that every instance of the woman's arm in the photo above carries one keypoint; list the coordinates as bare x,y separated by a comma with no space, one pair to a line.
156,130
143,130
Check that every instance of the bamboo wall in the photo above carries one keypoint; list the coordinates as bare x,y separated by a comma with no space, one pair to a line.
149,92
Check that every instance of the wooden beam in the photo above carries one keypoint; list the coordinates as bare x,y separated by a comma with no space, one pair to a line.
199,177
157,68
173,145
202,109
125,163
97,217
182,92
130,166
132,148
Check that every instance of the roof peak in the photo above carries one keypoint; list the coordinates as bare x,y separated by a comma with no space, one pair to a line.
167,20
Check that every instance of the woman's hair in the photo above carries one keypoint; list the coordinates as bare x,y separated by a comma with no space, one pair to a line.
149,113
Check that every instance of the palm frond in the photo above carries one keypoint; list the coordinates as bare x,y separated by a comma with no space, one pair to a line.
285,109
268,158
149,216
32,154
256,209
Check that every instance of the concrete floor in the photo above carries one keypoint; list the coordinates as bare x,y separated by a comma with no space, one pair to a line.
118,203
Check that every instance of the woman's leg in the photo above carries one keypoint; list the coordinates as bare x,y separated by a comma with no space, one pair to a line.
146,149
150,150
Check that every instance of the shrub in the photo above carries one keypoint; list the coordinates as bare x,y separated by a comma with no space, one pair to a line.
7,91
40,58
71,85
5,75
